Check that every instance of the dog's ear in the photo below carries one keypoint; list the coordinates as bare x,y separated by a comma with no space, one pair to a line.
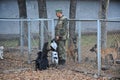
45,46
92,50
52,41
95,45
39,53
1,47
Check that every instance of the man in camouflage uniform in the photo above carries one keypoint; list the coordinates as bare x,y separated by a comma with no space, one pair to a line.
61,32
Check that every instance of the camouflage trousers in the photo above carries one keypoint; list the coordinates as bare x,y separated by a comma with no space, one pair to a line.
61,50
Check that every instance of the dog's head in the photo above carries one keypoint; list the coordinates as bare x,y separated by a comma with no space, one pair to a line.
119,49
94,48
39,54
46,47
1,47
53,45
44,55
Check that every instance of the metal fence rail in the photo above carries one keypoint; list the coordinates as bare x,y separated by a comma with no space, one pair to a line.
80,27
36,29
86,28
89,33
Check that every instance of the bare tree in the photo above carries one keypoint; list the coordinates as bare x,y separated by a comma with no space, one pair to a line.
72,15
103,15
23,15
42,9
43,14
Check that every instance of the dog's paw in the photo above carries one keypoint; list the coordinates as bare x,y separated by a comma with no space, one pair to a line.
1,57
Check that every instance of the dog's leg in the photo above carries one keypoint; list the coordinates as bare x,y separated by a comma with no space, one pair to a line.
111,61
114,58
47,63
1,55
106,60
35,67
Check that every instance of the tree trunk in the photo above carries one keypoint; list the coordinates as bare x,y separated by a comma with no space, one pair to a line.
72,15
42,9
103,15
43,14
23,15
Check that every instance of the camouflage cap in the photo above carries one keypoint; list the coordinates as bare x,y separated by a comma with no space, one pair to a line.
59,10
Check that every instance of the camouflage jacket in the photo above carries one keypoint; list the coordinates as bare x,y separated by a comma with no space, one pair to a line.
61,28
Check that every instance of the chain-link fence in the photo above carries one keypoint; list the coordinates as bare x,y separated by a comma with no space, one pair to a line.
10,39
22,39
87,32
92,58
38,35
22,47
112,48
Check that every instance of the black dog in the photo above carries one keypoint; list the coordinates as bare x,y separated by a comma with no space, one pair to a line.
94,49
41,61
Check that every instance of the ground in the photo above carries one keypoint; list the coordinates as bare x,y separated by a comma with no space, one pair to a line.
14,66
50,74
15,69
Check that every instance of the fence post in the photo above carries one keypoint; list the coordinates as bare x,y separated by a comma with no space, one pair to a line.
79,43
42,34
21,37
29,42
99,45
53,29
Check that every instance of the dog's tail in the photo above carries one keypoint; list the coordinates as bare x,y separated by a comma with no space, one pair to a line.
33,60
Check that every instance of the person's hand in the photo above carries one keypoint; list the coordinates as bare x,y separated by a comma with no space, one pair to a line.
57,37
